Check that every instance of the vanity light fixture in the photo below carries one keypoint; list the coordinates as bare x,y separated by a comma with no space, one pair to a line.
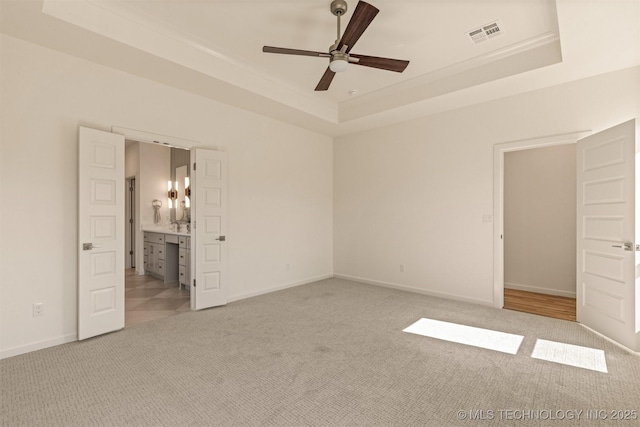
187,192
172,193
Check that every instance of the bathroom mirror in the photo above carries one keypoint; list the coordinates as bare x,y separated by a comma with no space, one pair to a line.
182,210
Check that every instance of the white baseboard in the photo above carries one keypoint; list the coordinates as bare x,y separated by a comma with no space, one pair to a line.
15,351
74,337
415,290
519,287
279,287
624,347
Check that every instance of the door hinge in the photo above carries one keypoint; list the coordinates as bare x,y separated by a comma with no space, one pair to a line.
194,166
194,283
130,188
130,220
130,252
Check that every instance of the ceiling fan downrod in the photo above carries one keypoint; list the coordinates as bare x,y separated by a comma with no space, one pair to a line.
339,58
338,8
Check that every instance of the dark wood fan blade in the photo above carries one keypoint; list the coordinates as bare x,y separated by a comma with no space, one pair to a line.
285,51
326,79
396,65
360,20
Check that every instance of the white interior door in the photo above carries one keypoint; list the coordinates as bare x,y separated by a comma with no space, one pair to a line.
606,269
208,247
100,233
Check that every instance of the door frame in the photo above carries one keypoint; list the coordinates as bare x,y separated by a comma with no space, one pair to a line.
499,151
130,222
168,141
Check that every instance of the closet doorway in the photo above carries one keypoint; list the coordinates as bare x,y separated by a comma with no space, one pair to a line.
605,233
540,231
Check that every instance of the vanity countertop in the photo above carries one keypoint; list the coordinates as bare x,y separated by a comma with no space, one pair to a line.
165,231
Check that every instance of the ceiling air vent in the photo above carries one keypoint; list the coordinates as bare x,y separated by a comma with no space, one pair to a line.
485,32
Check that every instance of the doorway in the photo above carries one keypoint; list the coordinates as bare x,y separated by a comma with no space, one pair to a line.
103,166
499,152
540,231
606,206
153,293
208,199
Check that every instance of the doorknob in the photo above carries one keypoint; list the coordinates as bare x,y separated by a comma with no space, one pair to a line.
628,246
222,238
89,246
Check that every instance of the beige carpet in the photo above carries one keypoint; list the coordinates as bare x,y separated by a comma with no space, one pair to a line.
331,353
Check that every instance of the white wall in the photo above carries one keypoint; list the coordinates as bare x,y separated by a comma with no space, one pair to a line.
280,184
132,160
540,220
415,193
155,171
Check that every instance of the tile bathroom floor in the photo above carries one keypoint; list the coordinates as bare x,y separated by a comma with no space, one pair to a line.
147,298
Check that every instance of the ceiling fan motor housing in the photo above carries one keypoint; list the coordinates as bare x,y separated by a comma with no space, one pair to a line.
338,7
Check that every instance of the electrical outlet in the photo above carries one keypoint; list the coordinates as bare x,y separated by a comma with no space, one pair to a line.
402,268
38,309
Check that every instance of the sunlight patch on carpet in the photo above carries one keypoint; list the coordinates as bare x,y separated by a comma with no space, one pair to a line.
572,355
468,335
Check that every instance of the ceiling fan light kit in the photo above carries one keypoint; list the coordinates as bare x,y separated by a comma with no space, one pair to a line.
339,57
339,62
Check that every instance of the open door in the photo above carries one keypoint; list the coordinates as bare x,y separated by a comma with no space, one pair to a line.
209,207
606,234
100,232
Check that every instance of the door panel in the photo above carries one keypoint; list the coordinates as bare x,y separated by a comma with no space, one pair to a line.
606,221
208,250
101,233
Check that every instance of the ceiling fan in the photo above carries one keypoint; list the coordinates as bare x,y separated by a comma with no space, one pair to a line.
339,56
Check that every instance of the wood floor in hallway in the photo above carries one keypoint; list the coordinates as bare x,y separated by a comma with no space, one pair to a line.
540,304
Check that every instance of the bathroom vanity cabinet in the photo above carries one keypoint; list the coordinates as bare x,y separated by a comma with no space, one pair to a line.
167,257
154,254
184,262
